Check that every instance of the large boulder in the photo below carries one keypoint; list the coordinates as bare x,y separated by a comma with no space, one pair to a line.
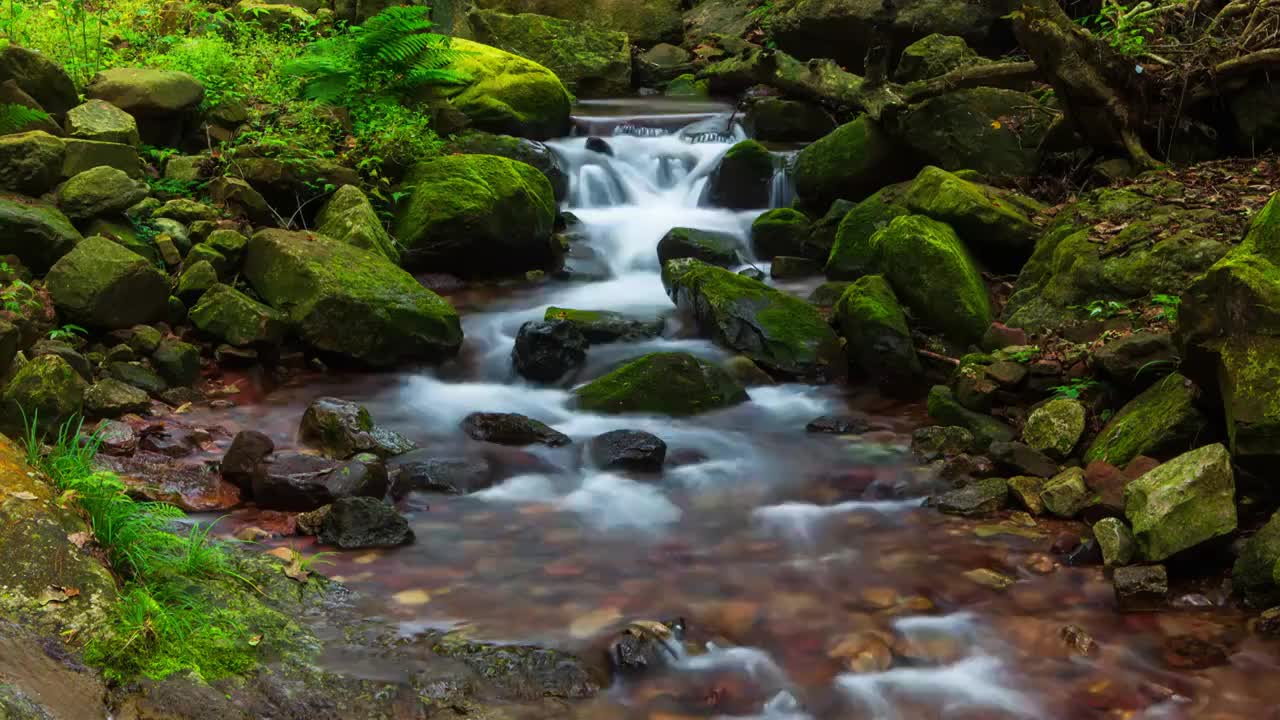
30,162
546,351
363,522
647,22
100,120
781,231
509,94
879,342
530,152
102,284
38,76
230,316
350,302
11,94
709,246
164,102
47,391
590,60
993,131
773,119
853,253
1161,422
935,55
477,215
852,162
100,191
782,334
349,217
743,179
675,384
993,224
1182,503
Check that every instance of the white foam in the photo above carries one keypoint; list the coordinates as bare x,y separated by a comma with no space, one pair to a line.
974,683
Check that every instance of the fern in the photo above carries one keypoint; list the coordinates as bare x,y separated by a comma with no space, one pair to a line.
15,118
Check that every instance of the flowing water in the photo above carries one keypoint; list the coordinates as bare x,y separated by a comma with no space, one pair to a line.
812,582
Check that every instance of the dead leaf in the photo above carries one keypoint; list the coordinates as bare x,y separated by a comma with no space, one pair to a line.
24,495
79,539
283,553
294,570
182,409
57,594
255,640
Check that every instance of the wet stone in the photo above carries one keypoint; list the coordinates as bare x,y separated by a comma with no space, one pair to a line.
1268,623
1141,587
838,425
234,357
244,459
420,470
308,523
170,442
364,522
341,428
931,443
753,273
296,482
1066,494
1007,374
1079,641
644,646
1025,491
628,450
138,375
547,351
983,497
117,438
1115,540
511,429
788,268
111,398
1020,459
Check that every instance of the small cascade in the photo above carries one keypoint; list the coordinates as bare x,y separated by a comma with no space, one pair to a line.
782,189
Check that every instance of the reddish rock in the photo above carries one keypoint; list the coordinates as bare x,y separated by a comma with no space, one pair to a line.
161,479
1000,336
1140,466
1107,481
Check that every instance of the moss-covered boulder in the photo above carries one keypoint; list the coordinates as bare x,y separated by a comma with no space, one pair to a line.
102,121
675,384
164,102
879,342
40,77
476,215
992,224
1182,503
993,131
263,183
1066,494
1256,573
101,284
591,61
852,162
743,179
782,334
647,22
933,275
177,362
110,398
709,246
773,119
853,254
1161,422
349,217
601,326
229,315
350,302
30,162
935,55
781,231
46,388
509,94
1055,427
88,154
522,150
100,191
186,211
946,410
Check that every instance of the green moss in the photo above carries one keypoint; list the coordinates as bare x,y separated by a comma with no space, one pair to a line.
1055,427
854,254
591,61
852,162
946,410
1162,421
688,85
509,94
878,340
1254,573
973,129
1182,503
1066,494
675,384
46,386
349,217
981,215
935,55
1249,383
36,232
233,317
780,231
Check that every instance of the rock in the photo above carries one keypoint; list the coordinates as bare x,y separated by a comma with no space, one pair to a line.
295,482
591,61
781,231
547,351
243,463
1055,427
936,441
38,77
64,351
116,438
164,102
661,64
477,215
1182,503
511,429
1160,422
349,302
1026,492
84,155
364,522
791,268
602,327
101,284
1115,540
508,94
100,120
420,470
238,197
838,425
1141,587
37,233
528,152
1066,494
110,398
973,387
195,280
1254,574
647,22
993,131
781,333
138,375
828,294
349,217
100,191
177,362
853,252
340,429
231,316
143,339
944,408
772,119
186,211
716,248
687,85
30,162
644,647
674,384
983,497
743,178
47,391
989,222
935,55
1015,457
852,162
879,343
628,450
274,17
1137,360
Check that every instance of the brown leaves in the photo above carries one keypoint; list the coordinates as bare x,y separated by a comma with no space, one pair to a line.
80,539
57,594
294,564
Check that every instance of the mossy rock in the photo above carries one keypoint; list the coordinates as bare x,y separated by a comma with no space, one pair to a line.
350,302
687,85
36,232
205,254
1066,494
30,162
602,326
879,342
477,215
946,410
126,235
852,162
100,191
40,77
85,155
853,254
716,248
994,131
590,60
991,225
774,119
1161,422
349,217
646,22
46,389
522,150
675,384
935,55
164,102
100,120
231,316
1055,427
177,362
111,398
1115,540
743,179
1183,503
103,285
186,211
782,334
508,94
1254,574
781,231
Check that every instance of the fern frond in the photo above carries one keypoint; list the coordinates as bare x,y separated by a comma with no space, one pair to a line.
14,117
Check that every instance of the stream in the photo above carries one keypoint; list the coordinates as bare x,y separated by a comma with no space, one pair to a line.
813,583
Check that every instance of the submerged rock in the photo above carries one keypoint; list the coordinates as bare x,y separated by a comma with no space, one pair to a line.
1184,502
676,384
547,351
511,429
632,450
353,523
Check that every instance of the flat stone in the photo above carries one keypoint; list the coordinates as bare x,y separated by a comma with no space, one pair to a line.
983,497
